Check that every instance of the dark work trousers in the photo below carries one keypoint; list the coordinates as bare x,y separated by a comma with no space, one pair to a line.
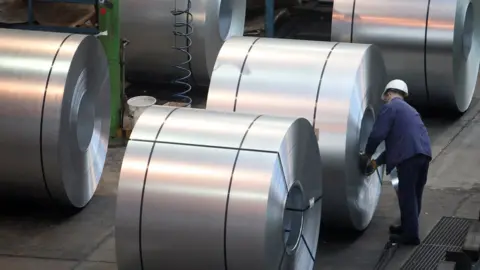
412,177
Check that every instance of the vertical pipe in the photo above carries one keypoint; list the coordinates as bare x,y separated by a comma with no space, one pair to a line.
30,12
269,18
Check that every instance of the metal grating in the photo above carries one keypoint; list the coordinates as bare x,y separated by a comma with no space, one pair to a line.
447,235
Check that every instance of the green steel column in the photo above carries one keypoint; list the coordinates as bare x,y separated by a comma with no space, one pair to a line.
109,21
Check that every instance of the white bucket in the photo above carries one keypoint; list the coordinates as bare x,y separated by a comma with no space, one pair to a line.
137,105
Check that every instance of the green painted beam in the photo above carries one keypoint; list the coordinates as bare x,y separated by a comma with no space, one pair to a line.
109,22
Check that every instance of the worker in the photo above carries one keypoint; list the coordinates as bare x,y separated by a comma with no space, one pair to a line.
408,149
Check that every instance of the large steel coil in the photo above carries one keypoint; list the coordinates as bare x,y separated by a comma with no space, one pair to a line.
434,45
336,86
55,118
149,26
226,191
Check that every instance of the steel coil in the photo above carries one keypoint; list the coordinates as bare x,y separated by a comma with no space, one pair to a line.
55,118
149,26
336,86
226,191
431,44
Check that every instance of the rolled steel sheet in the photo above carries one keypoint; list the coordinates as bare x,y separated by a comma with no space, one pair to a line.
55,118
218,189
432,45
336,86
149,26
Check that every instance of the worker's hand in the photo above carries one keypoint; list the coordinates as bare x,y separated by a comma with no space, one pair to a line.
371,167
364,160
367,165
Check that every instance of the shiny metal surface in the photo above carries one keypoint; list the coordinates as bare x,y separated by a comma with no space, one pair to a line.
432,45
394,179
55,124
149,26
453,52
224,181
334,85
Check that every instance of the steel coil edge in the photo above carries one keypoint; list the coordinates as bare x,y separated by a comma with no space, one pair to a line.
452,55
349,99
81,121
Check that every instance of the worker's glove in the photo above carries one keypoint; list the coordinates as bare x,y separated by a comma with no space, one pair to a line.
367,165
364,159
371,167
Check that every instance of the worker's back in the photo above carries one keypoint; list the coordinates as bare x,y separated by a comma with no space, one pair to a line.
408,135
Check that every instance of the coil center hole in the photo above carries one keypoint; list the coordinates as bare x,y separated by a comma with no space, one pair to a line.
368,120
468,29
82,117
225,18
85,122
293,218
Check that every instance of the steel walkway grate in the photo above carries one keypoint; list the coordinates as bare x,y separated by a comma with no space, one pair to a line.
447,235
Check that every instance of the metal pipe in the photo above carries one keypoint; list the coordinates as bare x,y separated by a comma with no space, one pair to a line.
336,86
224,190
269,18
151,56
431,44
261,4
54,95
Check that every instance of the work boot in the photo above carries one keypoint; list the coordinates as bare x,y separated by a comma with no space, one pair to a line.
405,240
395,229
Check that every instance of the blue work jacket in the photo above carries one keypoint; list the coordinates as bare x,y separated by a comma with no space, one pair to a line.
404,133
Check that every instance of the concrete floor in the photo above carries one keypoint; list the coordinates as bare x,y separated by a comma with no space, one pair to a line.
35,239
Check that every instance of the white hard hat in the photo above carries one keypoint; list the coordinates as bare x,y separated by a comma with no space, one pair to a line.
396,85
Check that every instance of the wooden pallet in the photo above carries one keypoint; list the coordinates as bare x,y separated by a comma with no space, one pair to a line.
64,14
48,14
13,11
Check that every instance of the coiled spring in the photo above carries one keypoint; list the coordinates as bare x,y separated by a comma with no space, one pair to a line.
183,29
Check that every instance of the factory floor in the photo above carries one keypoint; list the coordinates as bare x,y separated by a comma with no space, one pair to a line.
35,239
